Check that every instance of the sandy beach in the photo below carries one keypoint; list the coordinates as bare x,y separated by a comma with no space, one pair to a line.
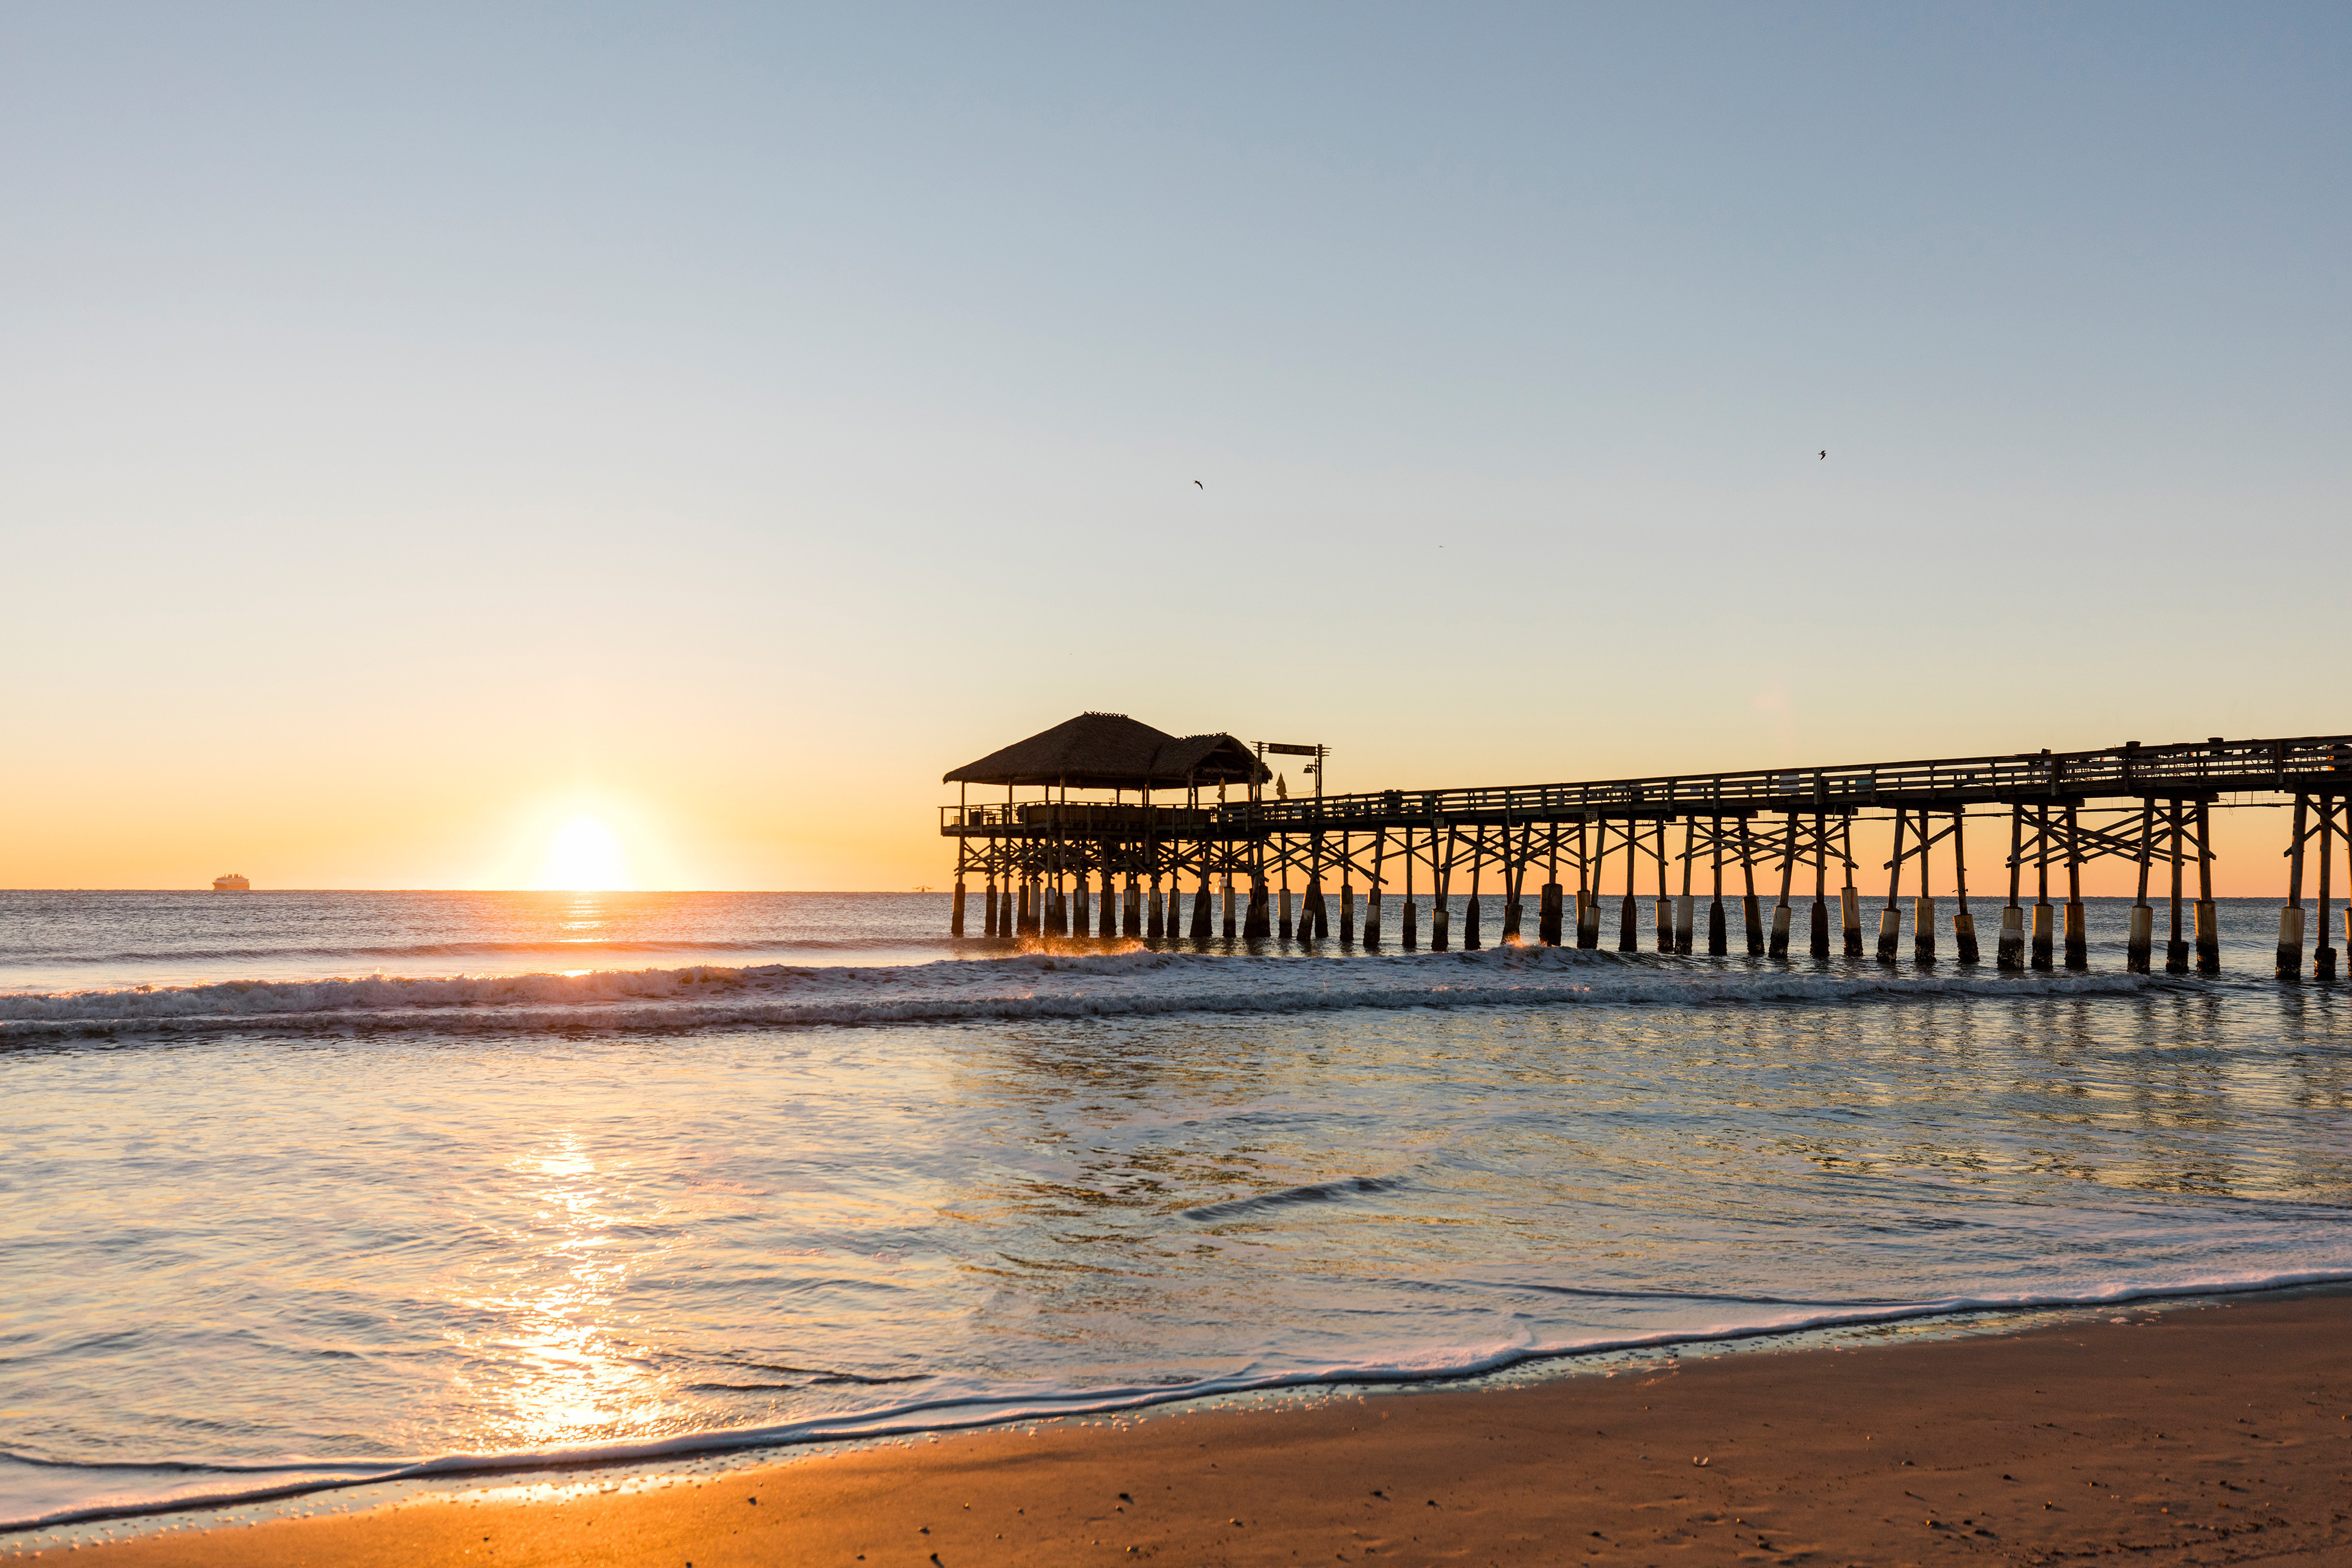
2214,1433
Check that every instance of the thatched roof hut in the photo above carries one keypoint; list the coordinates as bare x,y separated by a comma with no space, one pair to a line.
1112,751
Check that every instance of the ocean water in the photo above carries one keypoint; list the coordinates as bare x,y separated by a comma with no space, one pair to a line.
317,1189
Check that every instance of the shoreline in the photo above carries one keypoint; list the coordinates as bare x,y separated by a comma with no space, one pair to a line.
2191,1411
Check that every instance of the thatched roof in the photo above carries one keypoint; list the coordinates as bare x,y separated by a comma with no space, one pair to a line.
1112,751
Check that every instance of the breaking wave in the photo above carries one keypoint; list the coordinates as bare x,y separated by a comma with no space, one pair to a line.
1136,981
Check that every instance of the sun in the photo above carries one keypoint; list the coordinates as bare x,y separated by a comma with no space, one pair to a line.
583,855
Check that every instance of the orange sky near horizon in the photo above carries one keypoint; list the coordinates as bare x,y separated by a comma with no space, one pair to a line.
424,433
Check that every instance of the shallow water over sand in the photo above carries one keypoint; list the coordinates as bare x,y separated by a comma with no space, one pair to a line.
282,1227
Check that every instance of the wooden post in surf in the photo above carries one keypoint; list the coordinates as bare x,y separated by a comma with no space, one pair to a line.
2043,951
1751,913
1788,871
1890,922
1848,896
1684,930
1629,936
2078,938
1411,933
2209,918
2290,943
2011,953
2323,961
1717,938
2140,943
2175,950
1549,925
1922,912
1470,930
1441,877
1964,925
1818,942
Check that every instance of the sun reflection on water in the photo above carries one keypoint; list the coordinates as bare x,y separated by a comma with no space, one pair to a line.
555,1363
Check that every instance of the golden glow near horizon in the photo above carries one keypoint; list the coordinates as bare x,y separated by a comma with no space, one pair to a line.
583,855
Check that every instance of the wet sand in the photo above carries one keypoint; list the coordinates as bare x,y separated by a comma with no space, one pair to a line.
2205,1434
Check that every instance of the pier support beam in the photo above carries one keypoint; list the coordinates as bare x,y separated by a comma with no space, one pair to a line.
1818,937
1155,926
1964,925
1788,871
1923,912
1201,908
1284,904
1751,912
2322,962
1549,925
1470,930
1131,912
988,918
2078,938
2045,950
1258,924
1890,921
2139,942
2209,919
2290,943
1629,934
955,916
1717,938
1109,904
2175,950
1229,924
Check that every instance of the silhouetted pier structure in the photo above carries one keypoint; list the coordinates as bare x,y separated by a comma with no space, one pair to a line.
1199,815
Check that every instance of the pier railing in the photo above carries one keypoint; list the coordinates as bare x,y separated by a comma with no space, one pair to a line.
2207,768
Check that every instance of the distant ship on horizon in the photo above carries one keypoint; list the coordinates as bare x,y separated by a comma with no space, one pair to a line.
232,883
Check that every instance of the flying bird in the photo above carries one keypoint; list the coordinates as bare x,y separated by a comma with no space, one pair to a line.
1204,487
1825,452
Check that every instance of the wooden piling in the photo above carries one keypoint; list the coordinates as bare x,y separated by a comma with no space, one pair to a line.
1629,937
1441,876
1372,894
1890,920
1201,912
1818,938
2322,962
2175,950
1682,905
1849,895
2139,943
1548,923
989,917
1470,930
1665,905
2011,953
1788,870
2045,948
1923,911
2209,918
1718,941
1964,925
1110,905
1751,912
1285,912
955,916
2078,940
2290,942
1155,925
1411,934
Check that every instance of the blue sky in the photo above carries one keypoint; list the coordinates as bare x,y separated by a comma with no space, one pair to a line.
418,422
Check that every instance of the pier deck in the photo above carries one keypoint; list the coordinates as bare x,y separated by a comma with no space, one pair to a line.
2150,804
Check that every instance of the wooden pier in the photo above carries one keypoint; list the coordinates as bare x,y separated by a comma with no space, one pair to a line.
1194,812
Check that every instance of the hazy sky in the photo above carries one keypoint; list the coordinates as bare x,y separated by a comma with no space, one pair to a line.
419,425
